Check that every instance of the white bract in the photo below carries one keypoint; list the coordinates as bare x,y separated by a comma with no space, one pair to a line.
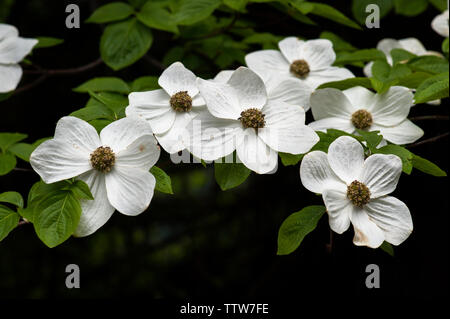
440,24
356,191
359,108
240,117
12,50
115,166
306,61
286,90
170,109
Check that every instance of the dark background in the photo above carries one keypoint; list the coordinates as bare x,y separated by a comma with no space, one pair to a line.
202,243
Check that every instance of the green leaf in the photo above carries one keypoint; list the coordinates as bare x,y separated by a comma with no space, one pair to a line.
385,76
145,83
56,217
400,55
373,139
410,8
114,11
80,190
230,175
338,43
238,5
8,139
47,42
433,88
163,181
190,12
289,159
405,155
99,125
96,110
347,83
12,198
266,40
22,150
386,247
413,80
430,64
330,13
7,163
445,46
359,8
123,43
441,5
103,84
156,15
115,102
8,221
426,166
296,227
364,55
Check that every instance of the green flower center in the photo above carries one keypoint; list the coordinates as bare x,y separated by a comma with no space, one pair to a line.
103,159
252,118
362,119
300,68
181,102
358,194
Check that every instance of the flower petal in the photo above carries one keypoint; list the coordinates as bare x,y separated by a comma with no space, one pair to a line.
332,73
223,76
285,130
221,99
120,134
346,158
255,154
7,30
334,123
172,141
14,49
249,88
360,97
267,61
392,216
316,174
367,233
386,45
94,213
143,153
413,45
367,70
177,78
211,138
319,54
330,103
292,48
339,209
77,133
10,76
381,173
440,24
404,133
289,90
129,189
392,108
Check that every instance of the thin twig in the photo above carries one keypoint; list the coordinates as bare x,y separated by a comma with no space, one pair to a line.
23,169
23,222
31,85
430,117
329,246
40,70
429,140
155,62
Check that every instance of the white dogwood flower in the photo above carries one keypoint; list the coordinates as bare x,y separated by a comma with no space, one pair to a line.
359,108
356,191
307,61
12,50
170,109
440,24
240,117
287,90
115,166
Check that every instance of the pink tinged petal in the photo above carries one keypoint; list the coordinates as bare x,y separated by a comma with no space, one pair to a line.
143,153
339,209
316,174
221,99
392,108
334,123
292,48
129,189
285,130
392,216
289,90
154,107
255,154
120,134
223,76
173,140
14,49
413,45
249,88
10,76
381,173
56,160
367,233
95,213
267,62
77,133
404,133
330,74
211,138
440,24
346,158
7,30
360,97
319,54
177,78
330,103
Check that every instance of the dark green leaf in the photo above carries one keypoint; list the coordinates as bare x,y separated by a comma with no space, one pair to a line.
156,15
413,80
441,5
104,84
333,14
400,55
145,83
47,42
8,221
8,139
80,190
347,83
22,150
163,181
426,166
7,163
230,175
386,247
372,138
364,55
289,159
410,8
405,155
430,64
359,8
12,198
190,12
114,11
433,88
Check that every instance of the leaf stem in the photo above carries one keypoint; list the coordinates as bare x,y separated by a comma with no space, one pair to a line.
430,117
429,140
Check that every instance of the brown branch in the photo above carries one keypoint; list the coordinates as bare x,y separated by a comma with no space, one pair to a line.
429,140
155,62
329,245
23,222
430,117
31,85
40,70
23,169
